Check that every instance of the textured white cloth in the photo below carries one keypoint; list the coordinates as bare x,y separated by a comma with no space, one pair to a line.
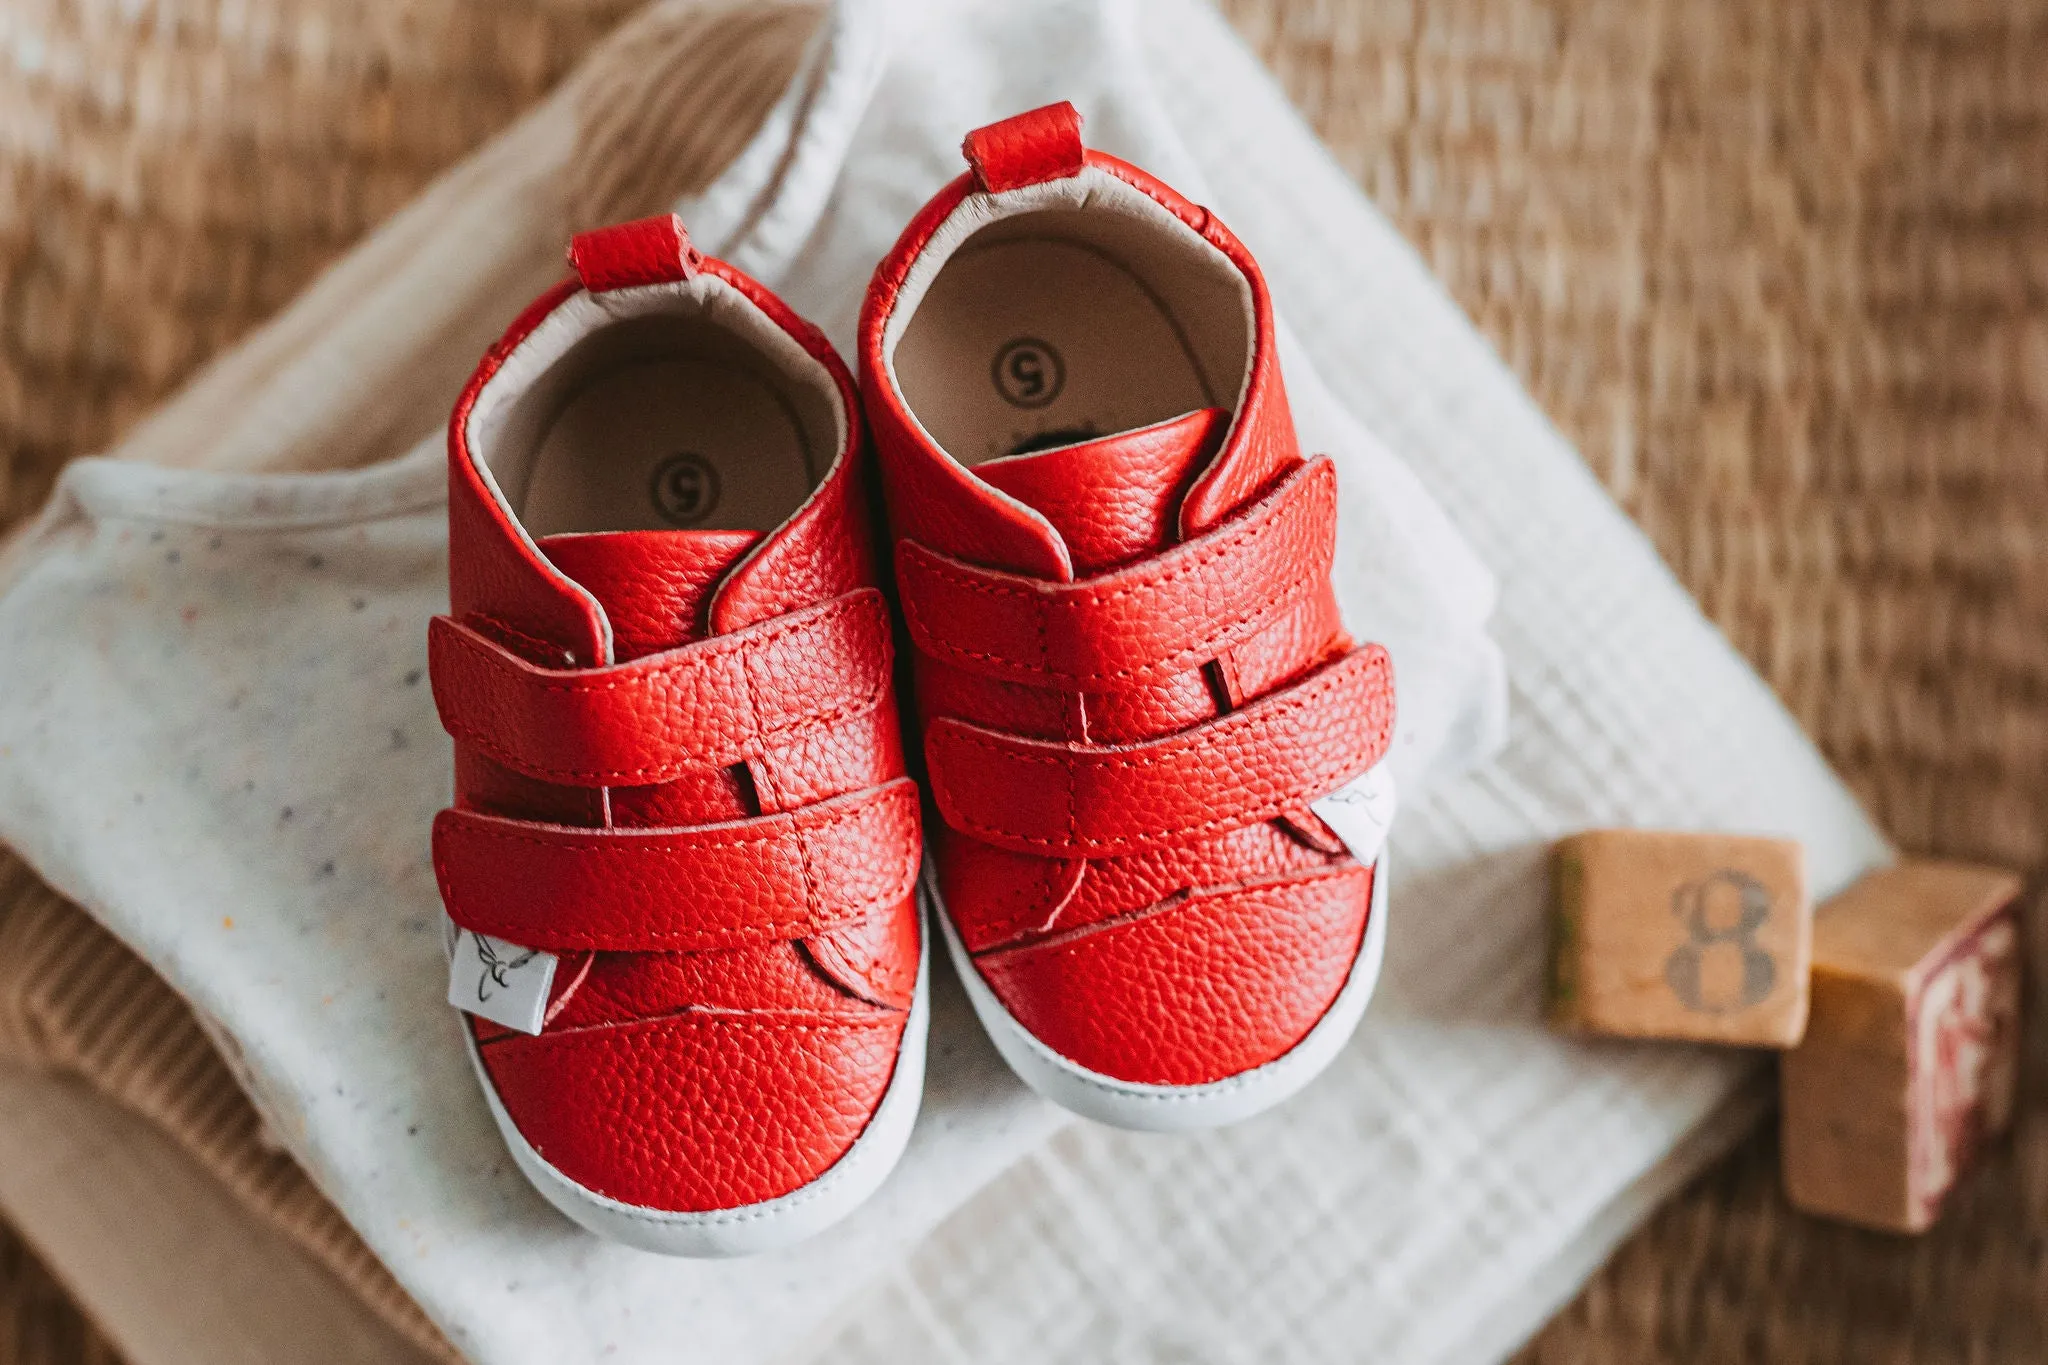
216,736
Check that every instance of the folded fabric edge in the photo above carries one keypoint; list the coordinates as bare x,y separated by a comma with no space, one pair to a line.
75,1001
160,1257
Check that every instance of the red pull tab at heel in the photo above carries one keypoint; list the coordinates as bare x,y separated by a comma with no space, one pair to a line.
645,251
1026,149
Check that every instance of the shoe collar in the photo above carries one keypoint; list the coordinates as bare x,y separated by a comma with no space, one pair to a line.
959,513
498,572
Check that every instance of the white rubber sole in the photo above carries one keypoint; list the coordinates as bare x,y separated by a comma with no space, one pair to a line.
1176,1108
752,1228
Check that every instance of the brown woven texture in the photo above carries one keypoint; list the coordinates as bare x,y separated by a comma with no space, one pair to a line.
171,174
1780,267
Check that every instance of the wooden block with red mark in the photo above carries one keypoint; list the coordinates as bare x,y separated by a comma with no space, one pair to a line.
1912,1048
1702,937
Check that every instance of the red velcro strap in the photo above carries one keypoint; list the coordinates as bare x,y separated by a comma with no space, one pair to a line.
1096,801
1026,149
645,251
709,704
563,889
1162,615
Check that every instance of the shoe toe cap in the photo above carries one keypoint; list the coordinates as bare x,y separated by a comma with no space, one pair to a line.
1195,990
700,1110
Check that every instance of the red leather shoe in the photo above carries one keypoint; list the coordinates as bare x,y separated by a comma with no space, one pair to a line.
683,850
1131,679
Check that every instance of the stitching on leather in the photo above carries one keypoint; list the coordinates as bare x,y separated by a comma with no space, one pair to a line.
1322,491
717,650
518,636
853,1158
749,744
1229,633
765,779
906,850
712,940
1305,695
1072,940
1136,1092
764,775
565,1038
620,840
1079,713
1232,540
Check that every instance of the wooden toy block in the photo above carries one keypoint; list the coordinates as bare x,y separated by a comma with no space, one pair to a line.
1912,1048
1691,936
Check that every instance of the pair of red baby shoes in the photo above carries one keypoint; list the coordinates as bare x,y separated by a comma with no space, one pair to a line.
683,861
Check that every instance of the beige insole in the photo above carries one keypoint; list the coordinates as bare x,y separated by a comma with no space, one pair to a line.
1028,344
666,444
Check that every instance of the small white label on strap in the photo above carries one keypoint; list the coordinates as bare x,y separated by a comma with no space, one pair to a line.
500,981
1361,811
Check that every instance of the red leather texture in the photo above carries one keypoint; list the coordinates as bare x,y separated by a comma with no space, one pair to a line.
658,586
682,1113
1166,614
563,888
1026,149
712,703
1131,678
677,766
1214,982
645,251
1069,800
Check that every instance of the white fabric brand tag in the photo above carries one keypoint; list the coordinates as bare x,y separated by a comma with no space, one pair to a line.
500,981
1361,811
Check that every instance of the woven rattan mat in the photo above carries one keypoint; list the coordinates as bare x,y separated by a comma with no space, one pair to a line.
1780,267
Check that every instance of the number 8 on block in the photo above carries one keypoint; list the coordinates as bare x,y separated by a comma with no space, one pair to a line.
1705,937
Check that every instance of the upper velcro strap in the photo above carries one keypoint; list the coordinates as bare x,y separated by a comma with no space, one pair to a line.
561,888
711,703
1095,801
1159,616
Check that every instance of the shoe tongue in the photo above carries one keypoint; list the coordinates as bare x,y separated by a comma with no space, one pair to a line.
1115,498
653,585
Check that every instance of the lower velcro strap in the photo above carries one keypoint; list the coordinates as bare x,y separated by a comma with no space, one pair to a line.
1273,756
563,888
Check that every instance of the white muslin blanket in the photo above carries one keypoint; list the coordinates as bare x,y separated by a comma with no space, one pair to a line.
216,736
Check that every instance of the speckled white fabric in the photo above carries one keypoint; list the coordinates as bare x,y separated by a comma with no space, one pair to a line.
216,735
